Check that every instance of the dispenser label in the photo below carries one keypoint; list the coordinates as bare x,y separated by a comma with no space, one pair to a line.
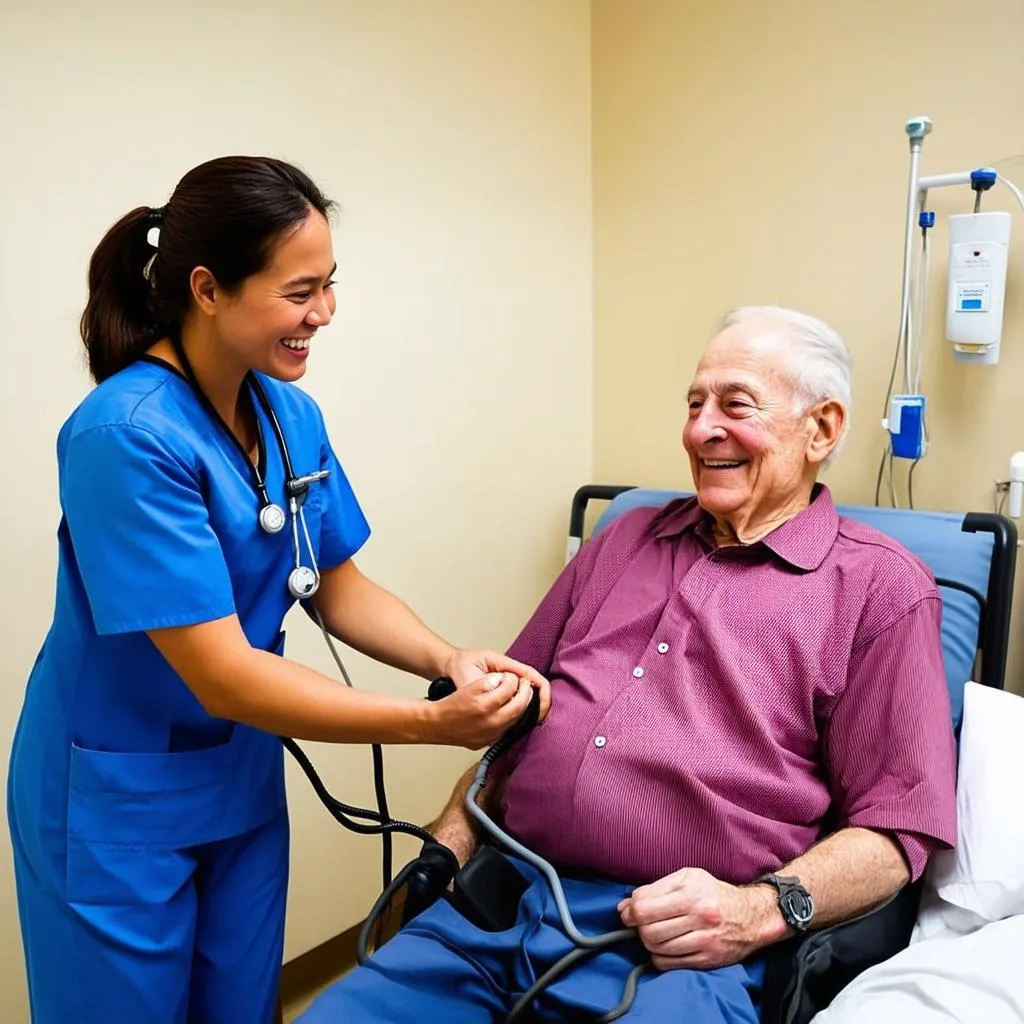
972,297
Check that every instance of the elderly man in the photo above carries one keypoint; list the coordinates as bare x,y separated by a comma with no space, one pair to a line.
743,684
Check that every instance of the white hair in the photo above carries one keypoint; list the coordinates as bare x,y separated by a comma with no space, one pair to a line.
823,370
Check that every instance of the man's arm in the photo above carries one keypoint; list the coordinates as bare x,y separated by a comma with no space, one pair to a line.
889,748
847,874
691,919
455,827
891,761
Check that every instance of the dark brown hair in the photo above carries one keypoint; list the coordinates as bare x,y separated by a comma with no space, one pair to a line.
224,215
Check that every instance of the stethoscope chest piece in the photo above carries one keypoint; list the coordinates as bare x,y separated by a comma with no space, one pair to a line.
303,582
272,518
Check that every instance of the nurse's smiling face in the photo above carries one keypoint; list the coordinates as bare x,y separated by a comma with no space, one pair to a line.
269,322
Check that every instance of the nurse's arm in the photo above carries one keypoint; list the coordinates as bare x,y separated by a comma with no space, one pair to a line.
236,681
376,623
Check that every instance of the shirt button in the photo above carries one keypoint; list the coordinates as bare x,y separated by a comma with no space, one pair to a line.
663,648
638,671
599,741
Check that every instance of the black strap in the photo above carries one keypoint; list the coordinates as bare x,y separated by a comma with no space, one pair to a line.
257,469
268,408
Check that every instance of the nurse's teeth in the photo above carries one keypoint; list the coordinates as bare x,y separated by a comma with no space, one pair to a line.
296,342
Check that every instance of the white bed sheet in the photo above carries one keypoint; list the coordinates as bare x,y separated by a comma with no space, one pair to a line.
977,978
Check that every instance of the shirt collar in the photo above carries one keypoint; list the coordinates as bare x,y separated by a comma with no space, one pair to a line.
802,541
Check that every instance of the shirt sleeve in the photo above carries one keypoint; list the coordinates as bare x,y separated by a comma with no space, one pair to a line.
343,527
889,745
538,641
140,530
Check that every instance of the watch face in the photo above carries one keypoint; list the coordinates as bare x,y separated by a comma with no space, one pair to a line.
797,907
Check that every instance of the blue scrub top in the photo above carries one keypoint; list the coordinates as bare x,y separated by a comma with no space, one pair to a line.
160,529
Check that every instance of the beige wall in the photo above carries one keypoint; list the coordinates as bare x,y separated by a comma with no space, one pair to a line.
749,152
456,378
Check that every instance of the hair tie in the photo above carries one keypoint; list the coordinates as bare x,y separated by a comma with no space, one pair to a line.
153,222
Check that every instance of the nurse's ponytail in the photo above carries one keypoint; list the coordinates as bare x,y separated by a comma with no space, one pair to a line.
225,215
119,323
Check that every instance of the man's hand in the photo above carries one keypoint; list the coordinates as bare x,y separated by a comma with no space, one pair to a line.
466,666
690,919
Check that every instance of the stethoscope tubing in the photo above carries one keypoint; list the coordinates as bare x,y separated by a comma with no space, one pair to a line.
303,581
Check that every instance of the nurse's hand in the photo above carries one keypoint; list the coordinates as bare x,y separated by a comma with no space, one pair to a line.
477,713
467,666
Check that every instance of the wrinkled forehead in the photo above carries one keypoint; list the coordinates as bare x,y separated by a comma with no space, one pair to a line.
756,355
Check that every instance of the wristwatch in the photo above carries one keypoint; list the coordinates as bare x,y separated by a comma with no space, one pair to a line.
795,902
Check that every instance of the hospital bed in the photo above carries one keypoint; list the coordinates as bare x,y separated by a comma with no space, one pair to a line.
973,559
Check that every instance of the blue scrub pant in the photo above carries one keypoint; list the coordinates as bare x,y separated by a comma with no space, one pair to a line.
152,935
441,969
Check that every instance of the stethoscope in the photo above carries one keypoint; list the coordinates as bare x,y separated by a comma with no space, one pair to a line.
303,580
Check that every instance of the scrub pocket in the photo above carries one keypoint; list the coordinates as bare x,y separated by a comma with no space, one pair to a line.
129,815
133,817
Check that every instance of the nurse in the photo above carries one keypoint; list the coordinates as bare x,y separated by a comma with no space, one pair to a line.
146,795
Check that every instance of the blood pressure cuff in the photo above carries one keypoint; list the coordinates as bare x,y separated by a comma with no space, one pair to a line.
805,974
487,891
428,877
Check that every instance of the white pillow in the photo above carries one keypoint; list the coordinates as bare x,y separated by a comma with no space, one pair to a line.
984,875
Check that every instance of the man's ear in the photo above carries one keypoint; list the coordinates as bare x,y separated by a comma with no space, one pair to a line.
829,419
